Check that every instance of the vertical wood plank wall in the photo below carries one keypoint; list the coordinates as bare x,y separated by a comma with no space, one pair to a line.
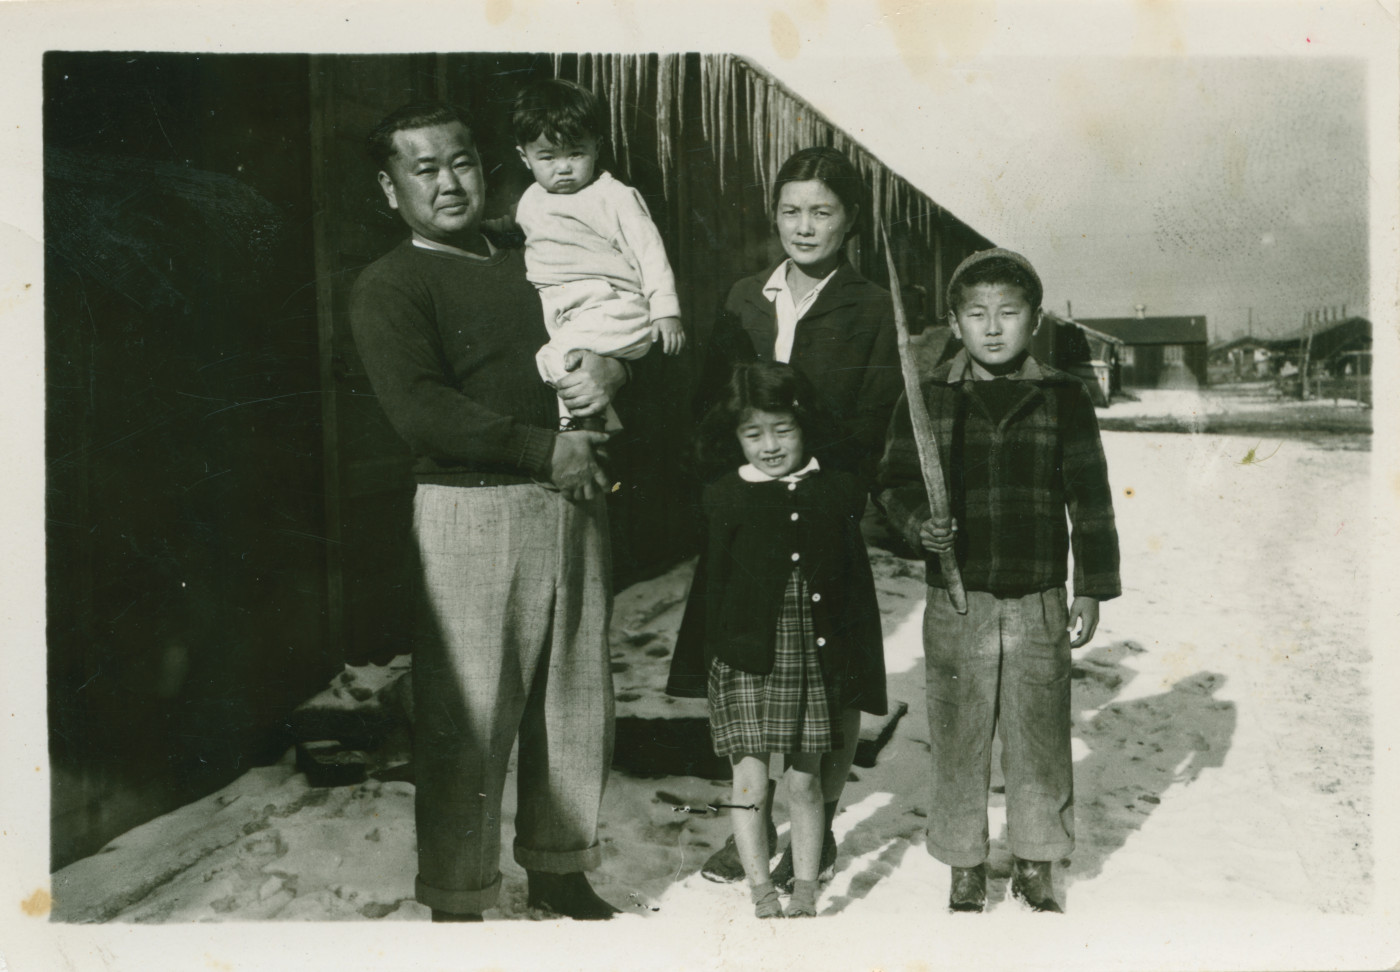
186,554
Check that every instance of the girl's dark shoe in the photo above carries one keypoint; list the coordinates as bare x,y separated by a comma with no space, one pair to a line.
765,901
569,895
969,890
826,868
803,903
1031,885
592,423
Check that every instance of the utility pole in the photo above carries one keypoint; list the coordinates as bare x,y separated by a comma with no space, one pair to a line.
1307,350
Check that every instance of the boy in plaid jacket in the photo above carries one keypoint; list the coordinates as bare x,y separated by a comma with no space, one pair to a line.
1020,445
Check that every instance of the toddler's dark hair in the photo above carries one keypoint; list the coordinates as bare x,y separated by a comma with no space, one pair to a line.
423,114
763,386
560,110
996,270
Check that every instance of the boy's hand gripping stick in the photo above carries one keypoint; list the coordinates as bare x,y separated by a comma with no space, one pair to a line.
923,436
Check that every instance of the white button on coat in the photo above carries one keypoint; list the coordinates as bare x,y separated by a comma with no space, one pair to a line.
796,557
794,516
821,642
816,598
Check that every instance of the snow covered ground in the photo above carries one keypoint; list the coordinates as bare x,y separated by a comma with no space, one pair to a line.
1252,397
1223,747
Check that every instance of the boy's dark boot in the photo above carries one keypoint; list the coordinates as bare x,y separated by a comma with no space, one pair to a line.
969,889
724,865
1031,885
569,895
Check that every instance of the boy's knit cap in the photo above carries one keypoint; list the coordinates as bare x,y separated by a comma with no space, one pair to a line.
981,256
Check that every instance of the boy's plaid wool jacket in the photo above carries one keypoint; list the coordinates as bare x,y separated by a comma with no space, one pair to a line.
1010,483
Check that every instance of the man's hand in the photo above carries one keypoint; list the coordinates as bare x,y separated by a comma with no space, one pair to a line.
591,383
938,539
574,468
669,332
1084,612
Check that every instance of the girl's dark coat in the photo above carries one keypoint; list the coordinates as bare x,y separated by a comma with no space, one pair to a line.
752,537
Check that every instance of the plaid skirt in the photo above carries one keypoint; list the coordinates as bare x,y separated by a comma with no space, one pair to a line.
789,710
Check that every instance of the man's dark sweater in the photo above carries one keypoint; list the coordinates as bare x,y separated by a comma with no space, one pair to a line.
449,344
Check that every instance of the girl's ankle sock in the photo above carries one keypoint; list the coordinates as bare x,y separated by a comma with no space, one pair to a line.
766,903
803,903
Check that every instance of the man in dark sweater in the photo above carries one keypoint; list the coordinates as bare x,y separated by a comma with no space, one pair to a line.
511,530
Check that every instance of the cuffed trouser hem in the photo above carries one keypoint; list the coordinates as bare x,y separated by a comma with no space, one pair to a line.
958,858
461,902
1042,852
558,862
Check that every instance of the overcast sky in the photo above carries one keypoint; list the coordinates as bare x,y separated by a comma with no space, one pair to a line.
1191,185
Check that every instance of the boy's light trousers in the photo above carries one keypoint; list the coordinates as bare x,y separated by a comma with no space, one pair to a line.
1005,664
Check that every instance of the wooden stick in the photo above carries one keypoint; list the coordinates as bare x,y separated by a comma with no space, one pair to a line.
924,439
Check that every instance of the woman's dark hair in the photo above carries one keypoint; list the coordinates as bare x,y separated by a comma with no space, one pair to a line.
425,114
560,110
830,167
762,386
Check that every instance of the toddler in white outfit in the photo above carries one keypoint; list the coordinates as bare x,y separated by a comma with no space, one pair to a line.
591,248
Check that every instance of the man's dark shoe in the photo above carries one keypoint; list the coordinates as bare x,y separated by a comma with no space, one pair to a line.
826,867
724,866
439,915
1031,885
969,889
569,895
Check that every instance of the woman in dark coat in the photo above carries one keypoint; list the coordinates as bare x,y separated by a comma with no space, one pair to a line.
815,312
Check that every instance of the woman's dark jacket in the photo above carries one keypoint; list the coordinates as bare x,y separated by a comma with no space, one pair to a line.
844,345
755,534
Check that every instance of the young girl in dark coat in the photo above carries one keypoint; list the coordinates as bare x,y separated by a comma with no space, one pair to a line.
814,311
788,622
